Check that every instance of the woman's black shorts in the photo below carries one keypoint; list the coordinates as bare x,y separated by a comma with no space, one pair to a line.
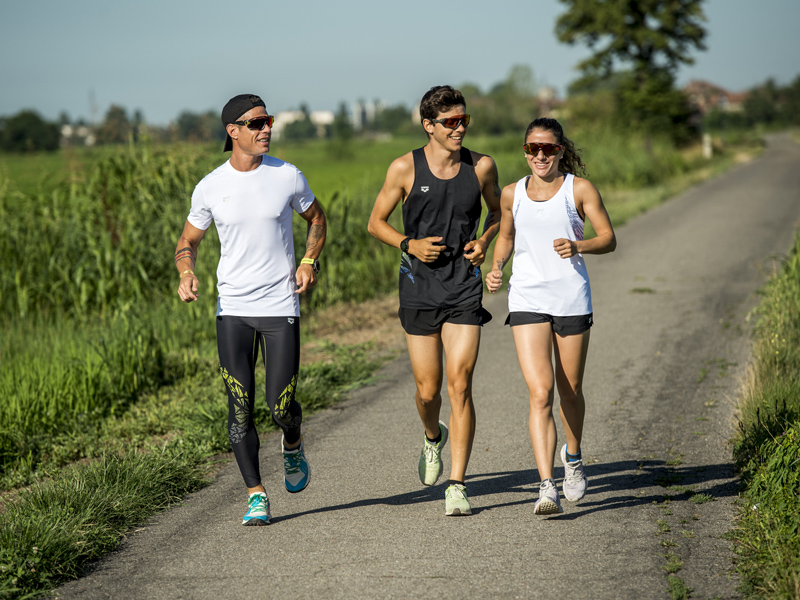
561,325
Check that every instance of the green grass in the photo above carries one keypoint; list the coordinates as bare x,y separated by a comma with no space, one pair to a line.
767,449
96,505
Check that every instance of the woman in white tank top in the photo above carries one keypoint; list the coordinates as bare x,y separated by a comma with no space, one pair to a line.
549,297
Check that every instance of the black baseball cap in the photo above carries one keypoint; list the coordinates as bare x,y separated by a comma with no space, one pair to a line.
235,108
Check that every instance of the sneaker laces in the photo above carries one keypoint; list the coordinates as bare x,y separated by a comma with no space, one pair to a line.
257,501
455,492
431,451
573,472
291,461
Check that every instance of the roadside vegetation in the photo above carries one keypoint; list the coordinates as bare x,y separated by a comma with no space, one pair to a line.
767,450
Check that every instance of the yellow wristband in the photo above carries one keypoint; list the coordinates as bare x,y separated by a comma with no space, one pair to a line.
187,271
307,261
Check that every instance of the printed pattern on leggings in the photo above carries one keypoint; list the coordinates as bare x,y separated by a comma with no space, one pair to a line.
241,407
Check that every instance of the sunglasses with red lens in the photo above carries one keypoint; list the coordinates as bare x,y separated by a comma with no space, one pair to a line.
257,123
548,149
452,122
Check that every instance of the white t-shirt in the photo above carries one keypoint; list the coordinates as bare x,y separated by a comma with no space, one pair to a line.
542,281
253,214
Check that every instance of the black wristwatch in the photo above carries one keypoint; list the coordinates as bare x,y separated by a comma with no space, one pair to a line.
313,262
404,245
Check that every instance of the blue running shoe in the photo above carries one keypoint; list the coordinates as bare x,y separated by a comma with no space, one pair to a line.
258,510
296,471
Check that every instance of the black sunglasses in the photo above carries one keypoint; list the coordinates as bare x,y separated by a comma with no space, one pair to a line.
452,122
257,123
548,149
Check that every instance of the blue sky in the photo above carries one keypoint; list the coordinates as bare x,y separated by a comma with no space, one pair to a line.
163,57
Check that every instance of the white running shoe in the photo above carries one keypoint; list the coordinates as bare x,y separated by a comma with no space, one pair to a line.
575,482
548,502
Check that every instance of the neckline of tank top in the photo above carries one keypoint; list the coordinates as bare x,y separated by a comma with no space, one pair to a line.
460,163
528,178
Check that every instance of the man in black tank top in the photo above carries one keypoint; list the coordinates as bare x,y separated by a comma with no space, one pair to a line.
440,187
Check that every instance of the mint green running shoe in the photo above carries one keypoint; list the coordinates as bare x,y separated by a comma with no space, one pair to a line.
455,501
430,461
258,512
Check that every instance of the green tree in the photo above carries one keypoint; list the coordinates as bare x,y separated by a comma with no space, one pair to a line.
28,132
508,107
116,127
652,39
302,129
199,127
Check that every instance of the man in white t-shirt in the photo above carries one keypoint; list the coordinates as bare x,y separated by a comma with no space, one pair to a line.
251,199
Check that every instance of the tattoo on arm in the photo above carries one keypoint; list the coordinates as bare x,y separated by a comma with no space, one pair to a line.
187,252
501,263
315,233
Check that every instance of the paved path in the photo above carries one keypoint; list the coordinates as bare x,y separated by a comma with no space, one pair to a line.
669,350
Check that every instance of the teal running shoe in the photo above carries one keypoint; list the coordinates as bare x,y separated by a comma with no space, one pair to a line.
257,510
455,501
296,471
430,461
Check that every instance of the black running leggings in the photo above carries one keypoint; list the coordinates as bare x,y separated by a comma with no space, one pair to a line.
238,341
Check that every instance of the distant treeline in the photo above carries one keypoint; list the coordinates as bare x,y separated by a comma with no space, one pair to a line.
507,107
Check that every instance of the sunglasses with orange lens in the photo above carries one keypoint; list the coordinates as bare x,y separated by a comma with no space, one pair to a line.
548,149
452,122
257,124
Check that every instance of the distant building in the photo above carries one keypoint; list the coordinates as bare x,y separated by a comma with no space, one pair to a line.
77,135
707,96
320,118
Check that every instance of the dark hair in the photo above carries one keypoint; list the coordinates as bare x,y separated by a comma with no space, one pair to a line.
439,99
571,162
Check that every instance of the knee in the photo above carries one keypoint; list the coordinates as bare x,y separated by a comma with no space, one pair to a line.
459,390
288,415
428,395
540,398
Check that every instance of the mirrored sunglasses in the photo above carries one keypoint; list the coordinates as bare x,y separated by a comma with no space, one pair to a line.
548,149
452,122
257,124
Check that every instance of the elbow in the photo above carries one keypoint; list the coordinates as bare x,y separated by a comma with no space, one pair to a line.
612,244
372,229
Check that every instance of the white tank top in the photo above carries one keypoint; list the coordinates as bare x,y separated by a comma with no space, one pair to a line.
541,280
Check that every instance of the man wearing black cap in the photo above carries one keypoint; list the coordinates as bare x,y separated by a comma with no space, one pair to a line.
251,199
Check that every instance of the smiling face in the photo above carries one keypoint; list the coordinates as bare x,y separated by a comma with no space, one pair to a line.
247,141
450,139
541,165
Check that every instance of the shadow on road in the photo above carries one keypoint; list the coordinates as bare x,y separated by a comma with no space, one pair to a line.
612,486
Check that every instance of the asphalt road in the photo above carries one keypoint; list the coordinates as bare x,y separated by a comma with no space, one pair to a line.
668,354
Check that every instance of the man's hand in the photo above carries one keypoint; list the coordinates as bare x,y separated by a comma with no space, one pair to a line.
187,288
427,249
305,278
475,252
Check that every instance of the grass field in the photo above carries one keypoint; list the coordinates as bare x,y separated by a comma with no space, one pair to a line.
99,359
767,449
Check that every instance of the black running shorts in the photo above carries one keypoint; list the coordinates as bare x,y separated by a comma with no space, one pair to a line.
427,322
563,326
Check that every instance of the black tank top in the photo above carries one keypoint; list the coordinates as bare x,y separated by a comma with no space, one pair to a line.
451,209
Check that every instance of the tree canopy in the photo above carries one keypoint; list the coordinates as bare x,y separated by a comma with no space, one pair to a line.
650,40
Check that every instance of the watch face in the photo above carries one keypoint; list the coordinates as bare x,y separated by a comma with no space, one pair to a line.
404,246
315,266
